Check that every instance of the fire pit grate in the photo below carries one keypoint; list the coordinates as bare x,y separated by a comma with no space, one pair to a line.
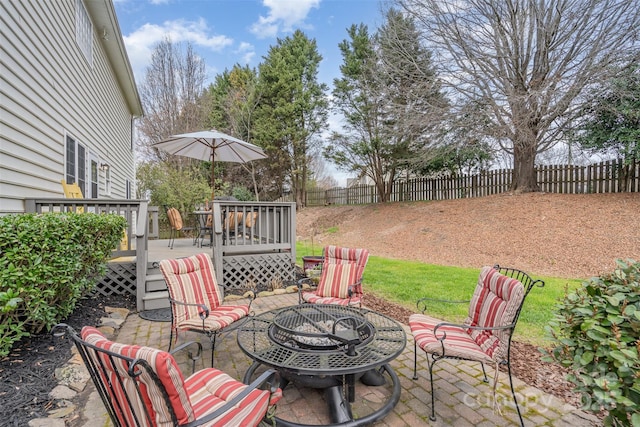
306,327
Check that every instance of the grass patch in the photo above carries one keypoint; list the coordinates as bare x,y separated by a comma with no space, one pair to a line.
403,282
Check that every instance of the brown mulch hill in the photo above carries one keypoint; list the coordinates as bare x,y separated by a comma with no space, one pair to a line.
570,236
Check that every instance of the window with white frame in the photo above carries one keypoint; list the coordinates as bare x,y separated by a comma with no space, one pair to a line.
93,173
76,164
84,31
107,181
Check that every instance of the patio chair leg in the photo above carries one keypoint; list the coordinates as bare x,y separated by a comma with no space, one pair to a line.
433,396
513,392
486,380
172,238
415,360
171,339
213,345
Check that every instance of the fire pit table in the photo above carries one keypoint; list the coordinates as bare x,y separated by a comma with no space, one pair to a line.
327,347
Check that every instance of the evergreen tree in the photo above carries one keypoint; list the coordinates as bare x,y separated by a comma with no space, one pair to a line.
390,98
292,112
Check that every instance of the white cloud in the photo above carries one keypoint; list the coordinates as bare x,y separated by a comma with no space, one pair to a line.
141,42
247,51
283,16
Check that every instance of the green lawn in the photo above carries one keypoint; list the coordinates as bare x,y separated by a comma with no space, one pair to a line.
403,282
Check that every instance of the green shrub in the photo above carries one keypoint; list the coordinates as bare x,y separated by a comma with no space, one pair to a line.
596,331
47,262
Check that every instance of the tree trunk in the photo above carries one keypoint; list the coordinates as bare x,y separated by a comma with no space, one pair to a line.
300,198
524,172
382,190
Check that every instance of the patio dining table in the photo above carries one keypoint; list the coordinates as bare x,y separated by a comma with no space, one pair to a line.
203,227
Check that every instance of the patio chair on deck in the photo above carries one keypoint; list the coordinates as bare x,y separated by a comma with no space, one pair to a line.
340,279
175,220
485,335
232,224
73,191
196,299
143,386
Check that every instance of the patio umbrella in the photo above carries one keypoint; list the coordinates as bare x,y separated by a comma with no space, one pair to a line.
211,145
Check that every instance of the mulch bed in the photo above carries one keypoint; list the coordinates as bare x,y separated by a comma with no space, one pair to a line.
27,373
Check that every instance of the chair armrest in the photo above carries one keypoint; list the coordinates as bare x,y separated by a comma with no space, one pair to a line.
304,280
270,378
477,328
203,312
253,294
421,304
301,282
193,356
351,290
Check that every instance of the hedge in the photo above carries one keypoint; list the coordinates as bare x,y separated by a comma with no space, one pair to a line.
47,263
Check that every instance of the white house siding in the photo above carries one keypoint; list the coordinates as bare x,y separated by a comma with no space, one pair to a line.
48,90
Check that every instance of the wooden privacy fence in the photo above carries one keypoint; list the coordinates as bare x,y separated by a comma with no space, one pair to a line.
606,177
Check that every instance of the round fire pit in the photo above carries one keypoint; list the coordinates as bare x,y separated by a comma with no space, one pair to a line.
327,347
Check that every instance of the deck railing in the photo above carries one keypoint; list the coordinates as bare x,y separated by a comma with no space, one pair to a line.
252,229
252,241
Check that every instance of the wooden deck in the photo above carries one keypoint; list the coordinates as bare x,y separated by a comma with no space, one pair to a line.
182,247
253,244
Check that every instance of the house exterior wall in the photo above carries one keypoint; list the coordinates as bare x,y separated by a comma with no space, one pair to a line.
49,91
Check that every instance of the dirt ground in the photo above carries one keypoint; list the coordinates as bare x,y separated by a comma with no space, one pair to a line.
569,236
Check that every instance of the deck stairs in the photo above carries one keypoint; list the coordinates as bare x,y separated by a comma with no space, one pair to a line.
156,295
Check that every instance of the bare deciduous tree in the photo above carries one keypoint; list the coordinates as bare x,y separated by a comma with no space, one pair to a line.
527,61
171,92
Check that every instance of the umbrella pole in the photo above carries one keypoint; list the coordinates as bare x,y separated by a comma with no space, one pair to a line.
213,176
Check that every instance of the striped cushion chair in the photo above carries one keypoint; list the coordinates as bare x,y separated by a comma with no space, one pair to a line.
485,335
340,279
143,386
196,299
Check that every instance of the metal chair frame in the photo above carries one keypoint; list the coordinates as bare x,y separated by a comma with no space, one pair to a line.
528,283
105,384
204,312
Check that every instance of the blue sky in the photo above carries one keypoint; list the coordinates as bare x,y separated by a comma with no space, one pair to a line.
225,32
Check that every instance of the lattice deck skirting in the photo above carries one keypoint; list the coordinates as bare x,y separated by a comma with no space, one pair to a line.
261,269
119,280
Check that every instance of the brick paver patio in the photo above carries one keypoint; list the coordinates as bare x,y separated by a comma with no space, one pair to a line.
462,398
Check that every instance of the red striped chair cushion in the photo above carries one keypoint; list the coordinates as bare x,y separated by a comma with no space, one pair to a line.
219,318
495,302
336,279
314,298
166,369
458,342
192,280
341,267
210,388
